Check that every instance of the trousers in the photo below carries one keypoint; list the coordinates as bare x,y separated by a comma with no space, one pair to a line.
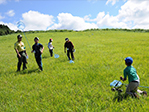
20,60
51,52
68,54
39,61
132,87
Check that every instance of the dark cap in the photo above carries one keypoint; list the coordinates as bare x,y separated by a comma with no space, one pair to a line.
66,39
36,38
50,40
19,36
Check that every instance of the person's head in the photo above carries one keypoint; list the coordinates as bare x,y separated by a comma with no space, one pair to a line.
66,39
19,37
50,40
128,61
36,39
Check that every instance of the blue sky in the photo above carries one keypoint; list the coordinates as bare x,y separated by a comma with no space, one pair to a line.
75,14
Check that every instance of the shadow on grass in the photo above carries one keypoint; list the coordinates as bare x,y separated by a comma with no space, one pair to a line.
60,60
45,57
27,71
63,60
120,97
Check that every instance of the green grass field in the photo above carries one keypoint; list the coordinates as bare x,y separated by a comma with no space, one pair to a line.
83,86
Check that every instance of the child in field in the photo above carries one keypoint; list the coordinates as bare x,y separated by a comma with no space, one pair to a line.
133,79
50,46
38,50
70,48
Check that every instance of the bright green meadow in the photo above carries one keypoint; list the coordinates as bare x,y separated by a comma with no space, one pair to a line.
82,86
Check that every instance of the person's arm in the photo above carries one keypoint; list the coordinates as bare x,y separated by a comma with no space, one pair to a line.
15,48
52,46
65,48
125,75
25,52
41,46
42,50
72,46
49,45
24,49
123,79
18,53
32,49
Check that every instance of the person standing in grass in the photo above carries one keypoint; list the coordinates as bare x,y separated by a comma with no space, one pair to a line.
133,79
21,53
70,48
38,50
50,46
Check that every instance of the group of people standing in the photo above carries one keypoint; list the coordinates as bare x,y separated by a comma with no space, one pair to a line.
37,49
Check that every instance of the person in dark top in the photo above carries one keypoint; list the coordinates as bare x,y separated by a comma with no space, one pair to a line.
70,48
38,50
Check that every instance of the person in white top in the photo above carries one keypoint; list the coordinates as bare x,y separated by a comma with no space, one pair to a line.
50,46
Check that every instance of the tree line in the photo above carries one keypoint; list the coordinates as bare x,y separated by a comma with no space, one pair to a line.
5,30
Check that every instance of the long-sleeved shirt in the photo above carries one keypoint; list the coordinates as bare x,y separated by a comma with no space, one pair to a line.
69,45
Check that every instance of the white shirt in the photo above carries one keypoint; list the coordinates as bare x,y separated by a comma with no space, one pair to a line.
50,46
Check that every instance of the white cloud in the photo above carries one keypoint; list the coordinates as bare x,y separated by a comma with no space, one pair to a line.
10,25
103,20
133,14
70,22
98,18
2,1
113,2
5,1
34,20
136,12
111,21
10,13
87,17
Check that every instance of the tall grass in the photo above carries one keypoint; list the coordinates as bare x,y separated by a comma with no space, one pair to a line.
80,86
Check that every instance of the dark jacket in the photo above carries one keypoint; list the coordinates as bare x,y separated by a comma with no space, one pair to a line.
69,45
37,48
